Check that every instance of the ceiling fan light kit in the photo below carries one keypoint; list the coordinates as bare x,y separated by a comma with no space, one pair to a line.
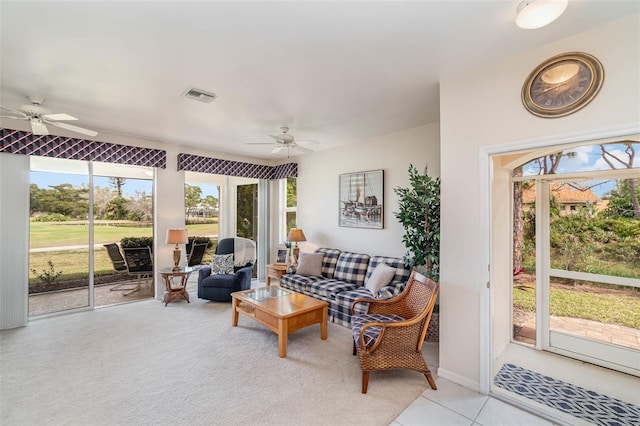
532,14
285,141
38,117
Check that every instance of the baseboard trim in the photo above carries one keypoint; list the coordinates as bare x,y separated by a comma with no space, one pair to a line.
458,379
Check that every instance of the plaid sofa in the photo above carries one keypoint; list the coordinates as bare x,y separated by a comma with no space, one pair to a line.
343,280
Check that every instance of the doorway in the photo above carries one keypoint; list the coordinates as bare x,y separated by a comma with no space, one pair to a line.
575,286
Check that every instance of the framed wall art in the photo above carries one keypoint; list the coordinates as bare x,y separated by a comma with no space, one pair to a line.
362,199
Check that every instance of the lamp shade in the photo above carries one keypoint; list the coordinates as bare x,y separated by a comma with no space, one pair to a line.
533,14
296,234
177,236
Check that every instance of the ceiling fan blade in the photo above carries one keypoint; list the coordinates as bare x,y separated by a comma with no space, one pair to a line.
38,127
260,143
21,115
278,138
308,142
59,117
302,148
278,149
73,128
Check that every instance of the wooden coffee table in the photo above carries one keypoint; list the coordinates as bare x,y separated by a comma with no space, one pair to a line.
283,311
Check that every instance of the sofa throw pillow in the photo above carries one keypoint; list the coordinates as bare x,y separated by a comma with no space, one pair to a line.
381,276
222,264
310,264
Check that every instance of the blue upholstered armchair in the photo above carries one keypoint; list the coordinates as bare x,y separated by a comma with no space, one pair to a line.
218,287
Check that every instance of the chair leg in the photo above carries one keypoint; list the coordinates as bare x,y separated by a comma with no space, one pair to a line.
432,383
365,381
354,347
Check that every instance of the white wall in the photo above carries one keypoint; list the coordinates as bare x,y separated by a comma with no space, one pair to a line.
14,240
318,200
481,109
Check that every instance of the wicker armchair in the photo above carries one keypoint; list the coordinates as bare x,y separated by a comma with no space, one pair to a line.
390,334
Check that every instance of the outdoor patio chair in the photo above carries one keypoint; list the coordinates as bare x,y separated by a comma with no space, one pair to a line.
196,254
139,263
391,333
119,265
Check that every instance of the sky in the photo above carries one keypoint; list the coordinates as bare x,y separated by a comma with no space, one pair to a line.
589,158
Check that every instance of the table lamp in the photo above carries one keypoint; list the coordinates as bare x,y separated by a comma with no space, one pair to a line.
295,235
177,236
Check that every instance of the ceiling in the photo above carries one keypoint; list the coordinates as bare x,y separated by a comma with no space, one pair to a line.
334,72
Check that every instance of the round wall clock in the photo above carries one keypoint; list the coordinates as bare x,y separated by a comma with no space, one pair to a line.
562,85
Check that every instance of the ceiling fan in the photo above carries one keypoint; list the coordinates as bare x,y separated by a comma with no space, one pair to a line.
286,141
39,116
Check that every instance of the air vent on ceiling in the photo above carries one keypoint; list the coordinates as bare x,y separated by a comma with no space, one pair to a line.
199,95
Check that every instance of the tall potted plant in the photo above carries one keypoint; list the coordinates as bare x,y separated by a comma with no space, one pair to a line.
419,214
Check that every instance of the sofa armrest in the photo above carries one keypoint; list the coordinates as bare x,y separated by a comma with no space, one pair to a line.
203,273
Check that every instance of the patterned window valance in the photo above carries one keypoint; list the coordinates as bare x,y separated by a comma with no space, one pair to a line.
196,163
26,143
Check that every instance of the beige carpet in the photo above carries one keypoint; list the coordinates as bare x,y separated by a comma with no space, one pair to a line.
144,363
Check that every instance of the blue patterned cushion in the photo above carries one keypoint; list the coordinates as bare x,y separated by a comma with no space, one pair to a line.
222,264
352,268
330,288
402,271
342,307
329,261
370,334
299,283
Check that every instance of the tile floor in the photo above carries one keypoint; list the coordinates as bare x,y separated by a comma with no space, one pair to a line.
455,405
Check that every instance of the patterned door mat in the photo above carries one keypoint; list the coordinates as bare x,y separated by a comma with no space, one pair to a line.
571,399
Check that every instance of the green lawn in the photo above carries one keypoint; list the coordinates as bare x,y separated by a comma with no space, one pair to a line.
74,263
603,307
53,234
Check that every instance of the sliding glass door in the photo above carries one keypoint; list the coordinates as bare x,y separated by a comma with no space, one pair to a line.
59,258
77,210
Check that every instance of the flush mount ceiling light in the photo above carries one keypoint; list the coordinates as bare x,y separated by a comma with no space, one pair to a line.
538,13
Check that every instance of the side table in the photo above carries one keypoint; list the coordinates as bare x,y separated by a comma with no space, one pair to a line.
175,291
275,270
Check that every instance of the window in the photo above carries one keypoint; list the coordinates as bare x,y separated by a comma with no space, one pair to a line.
289,206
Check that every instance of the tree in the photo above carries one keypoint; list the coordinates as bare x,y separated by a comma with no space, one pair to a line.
518,222
192,197
419,214
140,206
292,192
117,183
247,210
612,158
547,164
117,209
620,200
101,197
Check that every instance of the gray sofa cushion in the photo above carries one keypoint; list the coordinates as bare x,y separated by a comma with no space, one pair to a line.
402,272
